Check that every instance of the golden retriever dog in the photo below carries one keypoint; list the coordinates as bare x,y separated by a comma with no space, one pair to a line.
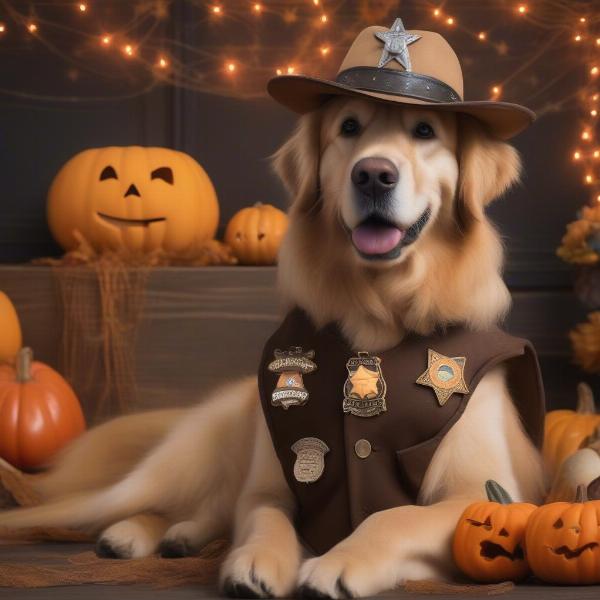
170,481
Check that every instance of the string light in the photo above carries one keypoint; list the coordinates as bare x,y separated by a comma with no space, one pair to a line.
496,91
231,67
82,7
594,71
482,35
578,38
32,27
586,136
437,12
162,63
279,72
106,40
257,8
324,19
522,9
582,20
324,50
596,154
597,41
594,112
576,155
291,70
2,27
316,2
450,20
589,178
128,50
217,10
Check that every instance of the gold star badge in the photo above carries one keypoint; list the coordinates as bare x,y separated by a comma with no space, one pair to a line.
445,375
364,382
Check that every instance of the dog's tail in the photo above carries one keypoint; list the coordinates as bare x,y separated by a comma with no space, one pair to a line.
90,510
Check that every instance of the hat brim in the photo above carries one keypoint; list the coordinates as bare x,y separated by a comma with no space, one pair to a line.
303,94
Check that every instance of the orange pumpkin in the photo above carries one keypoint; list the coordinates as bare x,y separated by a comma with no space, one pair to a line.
488,541
10,330
139,199
568,430
255,234
39,412
563,540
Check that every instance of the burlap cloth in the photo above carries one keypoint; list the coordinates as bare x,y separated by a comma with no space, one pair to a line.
86,568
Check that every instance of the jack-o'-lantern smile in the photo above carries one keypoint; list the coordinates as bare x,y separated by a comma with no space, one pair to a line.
490,550
576,553
122,222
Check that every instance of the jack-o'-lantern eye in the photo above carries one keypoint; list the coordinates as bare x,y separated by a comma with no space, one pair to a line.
487,524
164,173
558,524
108,173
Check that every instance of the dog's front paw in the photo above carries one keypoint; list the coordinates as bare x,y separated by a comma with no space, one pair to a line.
344,573
255,571
126,539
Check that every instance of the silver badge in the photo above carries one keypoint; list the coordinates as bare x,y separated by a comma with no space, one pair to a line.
291,365
396,40
310,459
365,388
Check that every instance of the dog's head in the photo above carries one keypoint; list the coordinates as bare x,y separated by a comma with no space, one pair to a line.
389,193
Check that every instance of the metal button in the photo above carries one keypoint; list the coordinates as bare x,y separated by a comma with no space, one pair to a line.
362,448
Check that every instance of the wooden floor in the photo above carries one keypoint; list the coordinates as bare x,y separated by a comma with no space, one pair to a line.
50,554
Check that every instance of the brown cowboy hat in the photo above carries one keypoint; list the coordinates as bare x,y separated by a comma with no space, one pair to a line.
402,67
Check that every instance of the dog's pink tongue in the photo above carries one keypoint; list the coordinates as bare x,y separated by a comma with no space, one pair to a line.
376,239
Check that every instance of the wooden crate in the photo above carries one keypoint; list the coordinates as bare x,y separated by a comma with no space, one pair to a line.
203,326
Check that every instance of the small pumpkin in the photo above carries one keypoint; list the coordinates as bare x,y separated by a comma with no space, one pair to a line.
133,198
568,430
10,330
488,541
583,467
563,539
39,412
255,234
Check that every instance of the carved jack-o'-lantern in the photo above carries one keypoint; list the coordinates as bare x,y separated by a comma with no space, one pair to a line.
140,199
563,539
488,541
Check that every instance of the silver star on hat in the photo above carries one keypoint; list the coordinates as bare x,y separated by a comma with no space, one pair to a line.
396,40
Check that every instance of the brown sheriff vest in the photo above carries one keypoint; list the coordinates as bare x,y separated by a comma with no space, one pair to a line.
403,439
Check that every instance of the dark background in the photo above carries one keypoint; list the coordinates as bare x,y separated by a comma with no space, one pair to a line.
49,110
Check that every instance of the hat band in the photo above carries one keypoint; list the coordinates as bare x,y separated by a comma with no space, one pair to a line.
398,83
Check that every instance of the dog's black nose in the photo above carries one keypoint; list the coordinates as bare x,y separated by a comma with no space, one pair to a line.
374,175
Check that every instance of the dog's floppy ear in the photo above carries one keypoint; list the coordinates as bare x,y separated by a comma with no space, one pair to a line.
488,168
297,163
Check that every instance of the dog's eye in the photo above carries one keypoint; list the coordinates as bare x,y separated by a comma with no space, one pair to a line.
423,131
350,127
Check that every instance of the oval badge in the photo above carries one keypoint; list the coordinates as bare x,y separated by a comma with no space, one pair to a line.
310,459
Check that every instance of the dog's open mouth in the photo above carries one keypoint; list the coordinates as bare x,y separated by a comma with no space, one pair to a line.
121,222
376,238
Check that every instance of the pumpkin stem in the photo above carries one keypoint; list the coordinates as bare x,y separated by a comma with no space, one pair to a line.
23,368
581,495
585,399
496,493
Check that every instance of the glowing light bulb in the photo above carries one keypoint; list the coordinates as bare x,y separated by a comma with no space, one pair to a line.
257,8
128,50
323,18
231,67
594,112
576,155
82,7
496,90
324,50
578,38
217,10
2,27
596,153
582,20
279,72
594,71
163,63
437,12
106,40
586,136
522,9
32,27
597,41
482,36
595,97
291,70
598,198
316,2
450,20
589,178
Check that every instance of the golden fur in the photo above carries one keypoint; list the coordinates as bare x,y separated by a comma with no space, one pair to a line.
179,478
